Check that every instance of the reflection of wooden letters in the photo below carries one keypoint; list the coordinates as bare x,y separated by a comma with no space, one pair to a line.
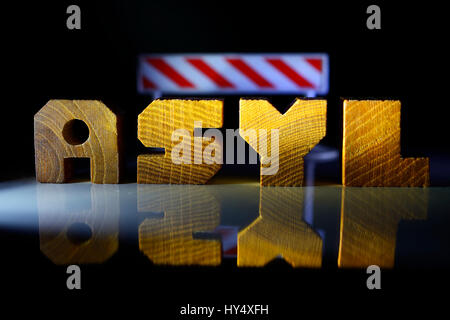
156,125
369,223
371,148
78,223
300,129
280,231
56,140
175,214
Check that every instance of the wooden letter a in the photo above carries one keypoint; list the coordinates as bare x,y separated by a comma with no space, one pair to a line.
67,129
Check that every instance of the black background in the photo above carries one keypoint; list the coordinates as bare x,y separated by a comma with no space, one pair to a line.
405,60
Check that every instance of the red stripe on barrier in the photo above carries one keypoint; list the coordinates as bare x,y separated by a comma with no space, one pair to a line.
249,72
316,63
290,73
210,73
147,84
170,72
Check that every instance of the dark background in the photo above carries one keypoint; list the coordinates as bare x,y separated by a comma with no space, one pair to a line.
42,60
405,60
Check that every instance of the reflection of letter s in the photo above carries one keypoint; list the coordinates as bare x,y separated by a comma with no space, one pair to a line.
74,20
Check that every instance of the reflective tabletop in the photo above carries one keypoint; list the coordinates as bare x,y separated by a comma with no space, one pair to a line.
234,221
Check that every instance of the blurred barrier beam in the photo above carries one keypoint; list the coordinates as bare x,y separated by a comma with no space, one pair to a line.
371,148
68,129
237,73
157,125
299,130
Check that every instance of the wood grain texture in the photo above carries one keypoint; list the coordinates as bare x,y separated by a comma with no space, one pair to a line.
155,126
60,209
300,129
371,148
279,231
369,223
173,215
51,148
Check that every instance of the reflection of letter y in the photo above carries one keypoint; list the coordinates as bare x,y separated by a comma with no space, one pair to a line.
280,231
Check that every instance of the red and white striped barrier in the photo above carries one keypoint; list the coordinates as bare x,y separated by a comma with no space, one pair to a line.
233,73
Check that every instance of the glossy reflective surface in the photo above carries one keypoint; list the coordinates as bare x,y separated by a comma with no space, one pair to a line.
232,220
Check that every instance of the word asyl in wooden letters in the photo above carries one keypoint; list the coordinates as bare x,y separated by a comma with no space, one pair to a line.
370,150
